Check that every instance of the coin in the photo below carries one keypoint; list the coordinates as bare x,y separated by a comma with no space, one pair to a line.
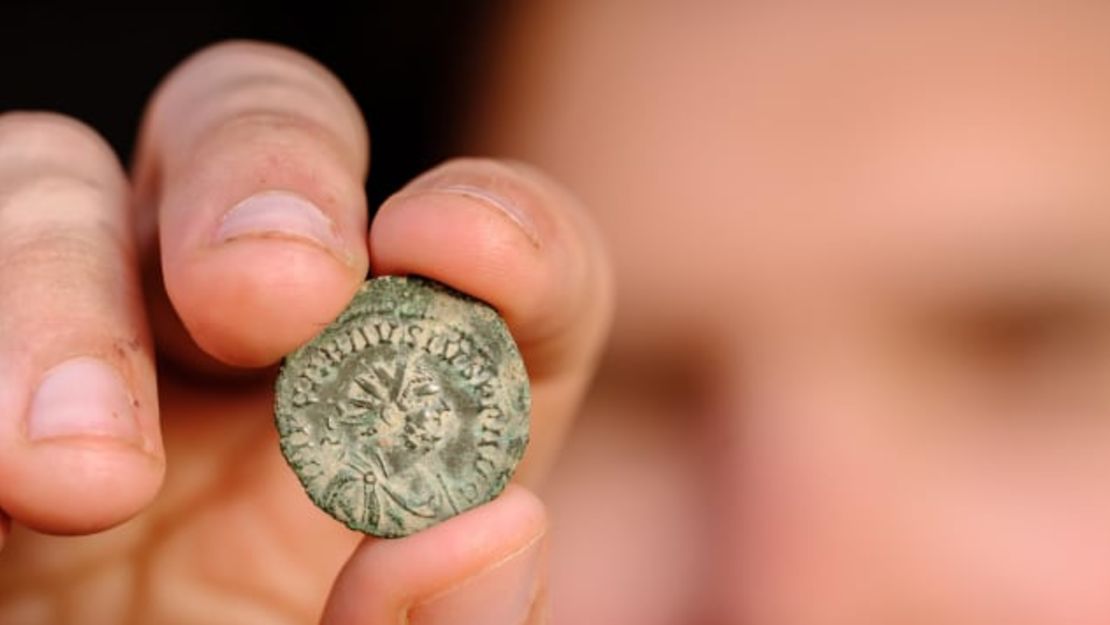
408,409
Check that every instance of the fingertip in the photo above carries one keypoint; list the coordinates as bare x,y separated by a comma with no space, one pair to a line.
79,486
87,454
249,301
493,554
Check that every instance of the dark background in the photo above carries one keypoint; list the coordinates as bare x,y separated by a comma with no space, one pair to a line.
403,60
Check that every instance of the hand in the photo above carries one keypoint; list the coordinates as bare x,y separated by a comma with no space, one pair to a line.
94,271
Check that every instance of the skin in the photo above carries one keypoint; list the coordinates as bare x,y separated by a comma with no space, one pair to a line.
856,372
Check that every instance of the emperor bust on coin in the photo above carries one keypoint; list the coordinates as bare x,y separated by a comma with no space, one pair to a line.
408,409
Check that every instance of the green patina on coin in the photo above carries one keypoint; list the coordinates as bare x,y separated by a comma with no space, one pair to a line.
409,408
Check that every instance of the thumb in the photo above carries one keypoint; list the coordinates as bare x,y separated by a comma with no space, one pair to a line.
483,567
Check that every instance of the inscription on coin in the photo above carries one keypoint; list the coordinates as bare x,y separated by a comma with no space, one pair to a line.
408,409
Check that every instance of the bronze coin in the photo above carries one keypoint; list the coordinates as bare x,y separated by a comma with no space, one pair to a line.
410,408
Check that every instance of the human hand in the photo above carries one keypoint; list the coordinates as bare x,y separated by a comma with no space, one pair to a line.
94,270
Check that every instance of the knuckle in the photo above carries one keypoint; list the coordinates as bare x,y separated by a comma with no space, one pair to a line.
266,133
31,124
521,172
238,50
528,171
234,47
61,278
270,148
59,196
30,141
58,260
491,174
50,211
480,167
66,285
521,181
257,80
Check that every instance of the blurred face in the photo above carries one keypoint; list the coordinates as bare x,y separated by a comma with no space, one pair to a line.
861,371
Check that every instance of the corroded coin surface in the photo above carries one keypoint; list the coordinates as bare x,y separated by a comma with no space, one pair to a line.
408,409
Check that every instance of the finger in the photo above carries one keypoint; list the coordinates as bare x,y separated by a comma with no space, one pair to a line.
255,157
509,236
484,566
80,448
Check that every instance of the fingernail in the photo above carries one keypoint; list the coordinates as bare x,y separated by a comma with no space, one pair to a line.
500,203
500,595
279,213
82,397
